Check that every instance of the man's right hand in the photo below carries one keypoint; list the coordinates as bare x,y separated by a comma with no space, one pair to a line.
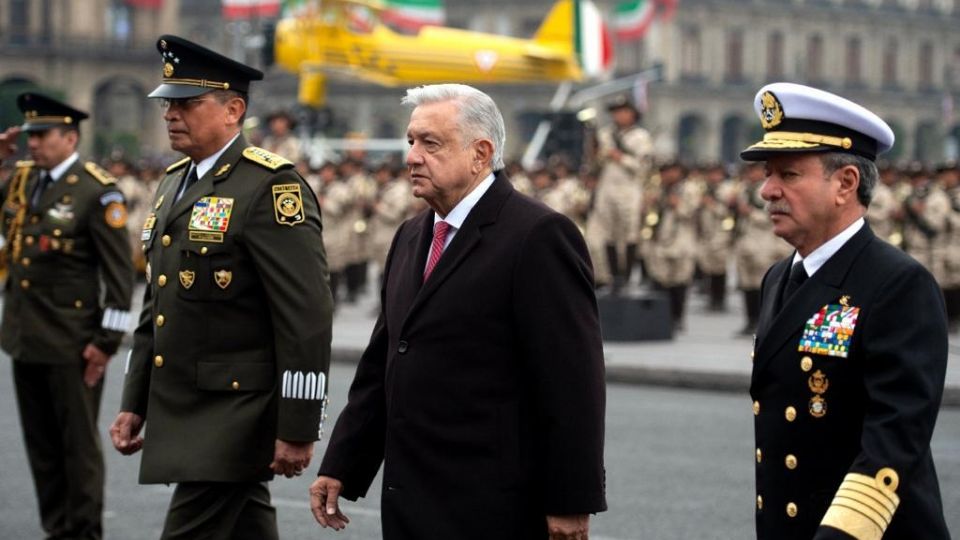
8,139
125,433
324,495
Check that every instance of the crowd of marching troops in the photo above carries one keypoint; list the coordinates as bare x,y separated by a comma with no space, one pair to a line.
700,228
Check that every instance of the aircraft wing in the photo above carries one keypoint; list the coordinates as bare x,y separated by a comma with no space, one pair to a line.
354,73
541,52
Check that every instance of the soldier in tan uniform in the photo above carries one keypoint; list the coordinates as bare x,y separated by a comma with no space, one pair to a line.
715,222
336,204
281,140
927,210
391,207
948,177
229,364
519,178
66,308
625,157
363,190
757,248
885,213
673,246
575,199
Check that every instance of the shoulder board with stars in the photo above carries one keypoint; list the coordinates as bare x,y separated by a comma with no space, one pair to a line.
101,175
178,164
266,158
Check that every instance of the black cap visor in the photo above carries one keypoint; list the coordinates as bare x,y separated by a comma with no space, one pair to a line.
178,91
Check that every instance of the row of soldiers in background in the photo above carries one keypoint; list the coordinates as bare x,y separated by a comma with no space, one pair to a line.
700,222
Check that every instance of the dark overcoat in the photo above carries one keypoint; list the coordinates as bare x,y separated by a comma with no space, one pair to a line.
482,389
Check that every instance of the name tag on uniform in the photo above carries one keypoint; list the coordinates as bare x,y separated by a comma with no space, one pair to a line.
828,331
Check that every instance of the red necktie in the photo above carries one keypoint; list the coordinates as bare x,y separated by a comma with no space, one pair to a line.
436,248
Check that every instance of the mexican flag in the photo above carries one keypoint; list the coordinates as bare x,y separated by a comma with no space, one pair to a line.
592,39
632,18
411,15
248,9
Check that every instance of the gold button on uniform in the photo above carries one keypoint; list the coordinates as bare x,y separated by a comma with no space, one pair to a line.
158,361
759,502
759,455
791,510
165,240
78,304
806,363
235,385
25,284
790,461
162,280
790,414
160,320
756,408
203,250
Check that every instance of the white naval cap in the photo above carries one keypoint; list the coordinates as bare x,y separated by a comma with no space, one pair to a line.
800,118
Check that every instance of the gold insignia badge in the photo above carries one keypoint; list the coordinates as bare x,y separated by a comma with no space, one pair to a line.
845,300
167,69
73,179
287,204
116,215
187,278
159,202
818,407
223,278
222,170
771,112
818,382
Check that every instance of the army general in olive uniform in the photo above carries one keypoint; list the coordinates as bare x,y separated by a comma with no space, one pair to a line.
230,359
65,310
851,349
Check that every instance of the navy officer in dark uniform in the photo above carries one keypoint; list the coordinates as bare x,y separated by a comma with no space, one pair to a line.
851,348
230,359
66,308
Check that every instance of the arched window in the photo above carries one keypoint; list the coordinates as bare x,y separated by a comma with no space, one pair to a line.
925,66
889,68
690,53
775,55
815,58
734,55
854,55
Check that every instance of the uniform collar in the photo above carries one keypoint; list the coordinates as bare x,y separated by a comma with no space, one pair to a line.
56,172
206,164
818,257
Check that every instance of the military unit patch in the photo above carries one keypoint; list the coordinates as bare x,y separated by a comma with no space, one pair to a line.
116,215
223,278
288,204
829,331
187,278
111,197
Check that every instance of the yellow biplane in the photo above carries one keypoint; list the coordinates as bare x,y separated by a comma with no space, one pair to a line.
348,37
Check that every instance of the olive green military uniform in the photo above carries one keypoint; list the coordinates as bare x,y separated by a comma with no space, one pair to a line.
69,285
233,346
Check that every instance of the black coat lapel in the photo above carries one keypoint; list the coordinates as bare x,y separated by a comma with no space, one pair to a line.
468,236
824,287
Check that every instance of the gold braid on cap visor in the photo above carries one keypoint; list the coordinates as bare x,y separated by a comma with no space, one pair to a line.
790,139
36,119
203,83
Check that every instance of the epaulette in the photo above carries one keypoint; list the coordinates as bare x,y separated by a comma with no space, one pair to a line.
24,163
266,158
101,175
178,164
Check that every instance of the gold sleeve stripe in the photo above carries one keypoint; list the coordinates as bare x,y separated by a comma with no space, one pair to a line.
867,492
864,506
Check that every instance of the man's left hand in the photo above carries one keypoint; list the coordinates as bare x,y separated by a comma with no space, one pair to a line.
575,527
291,458
96,364
569,527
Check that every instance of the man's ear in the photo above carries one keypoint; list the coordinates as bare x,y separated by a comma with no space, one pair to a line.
482,154
236,107
849,178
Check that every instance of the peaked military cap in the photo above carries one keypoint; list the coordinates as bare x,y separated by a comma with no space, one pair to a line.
191,70
621,102
41,113
799,118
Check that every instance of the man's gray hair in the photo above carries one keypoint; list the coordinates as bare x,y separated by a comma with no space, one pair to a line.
479,116
868,172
